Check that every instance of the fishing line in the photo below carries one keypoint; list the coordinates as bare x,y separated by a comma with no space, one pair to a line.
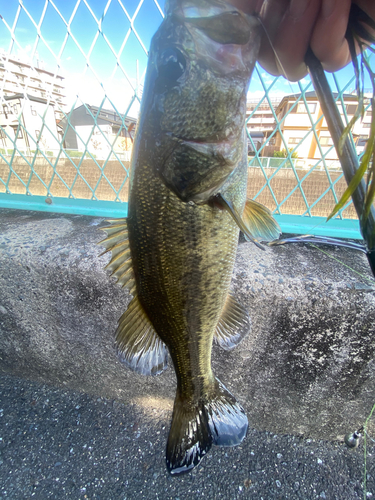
369,437
365,453
371,280
278,61
282,71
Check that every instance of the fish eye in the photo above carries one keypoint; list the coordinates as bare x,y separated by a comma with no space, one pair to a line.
171,66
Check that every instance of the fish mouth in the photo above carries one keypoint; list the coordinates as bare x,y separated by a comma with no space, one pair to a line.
198,175
227,149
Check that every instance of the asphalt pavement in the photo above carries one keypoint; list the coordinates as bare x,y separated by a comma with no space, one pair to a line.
58,444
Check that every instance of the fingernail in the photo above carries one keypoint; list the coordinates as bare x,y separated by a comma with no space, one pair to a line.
298,7
328,6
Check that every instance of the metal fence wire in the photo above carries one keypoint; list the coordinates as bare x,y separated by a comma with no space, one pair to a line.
71,75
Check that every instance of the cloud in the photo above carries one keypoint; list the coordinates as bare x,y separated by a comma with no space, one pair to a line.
86,89
258,94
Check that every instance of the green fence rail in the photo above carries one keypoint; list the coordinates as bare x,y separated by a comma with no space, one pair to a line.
71,80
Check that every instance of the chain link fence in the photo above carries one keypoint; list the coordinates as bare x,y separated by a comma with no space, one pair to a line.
71,75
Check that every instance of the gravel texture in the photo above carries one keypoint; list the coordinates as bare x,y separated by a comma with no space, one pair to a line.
56,443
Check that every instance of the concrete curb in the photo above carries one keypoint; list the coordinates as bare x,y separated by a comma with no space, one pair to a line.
306,368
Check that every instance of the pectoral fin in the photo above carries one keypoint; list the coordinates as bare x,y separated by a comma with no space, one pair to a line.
138,344
256,223
233,325
260,222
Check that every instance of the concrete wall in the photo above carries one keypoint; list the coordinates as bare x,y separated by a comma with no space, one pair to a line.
307,366
282,184
69,172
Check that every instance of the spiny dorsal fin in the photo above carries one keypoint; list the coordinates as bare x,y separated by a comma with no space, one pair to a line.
120,264
260,222
233,325
138,344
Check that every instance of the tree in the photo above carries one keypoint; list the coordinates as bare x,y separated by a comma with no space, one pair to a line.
283,153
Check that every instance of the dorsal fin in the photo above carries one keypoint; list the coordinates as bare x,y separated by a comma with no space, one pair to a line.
233,325
138,345
120,264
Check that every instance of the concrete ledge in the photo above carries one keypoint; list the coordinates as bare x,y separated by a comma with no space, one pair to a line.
307,367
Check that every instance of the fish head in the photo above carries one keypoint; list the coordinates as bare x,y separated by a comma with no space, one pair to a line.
194,104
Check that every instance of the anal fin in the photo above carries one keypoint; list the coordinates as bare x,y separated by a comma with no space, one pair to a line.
138,345
233,325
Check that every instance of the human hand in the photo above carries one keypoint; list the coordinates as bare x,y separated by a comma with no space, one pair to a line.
294,25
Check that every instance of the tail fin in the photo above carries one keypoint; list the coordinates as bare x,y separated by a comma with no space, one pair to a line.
226,418
221,421
189,438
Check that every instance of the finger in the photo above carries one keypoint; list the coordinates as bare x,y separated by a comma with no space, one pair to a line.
291,38
328,39
367,6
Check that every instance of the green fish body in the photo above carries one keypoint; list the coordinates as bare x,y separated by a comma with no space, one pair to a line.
176,249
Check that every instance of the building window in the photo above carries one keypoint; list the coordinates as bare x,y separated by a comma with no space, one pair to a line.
33,111
301,108
326,141
366,125
17,132
294,140
3,138
351,109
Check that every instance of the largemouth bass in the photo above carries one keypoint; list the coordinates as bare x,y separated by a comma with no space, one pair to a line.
176,250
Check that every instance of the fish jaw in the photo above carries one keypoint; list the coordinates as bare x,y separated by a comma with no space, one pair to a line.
192,172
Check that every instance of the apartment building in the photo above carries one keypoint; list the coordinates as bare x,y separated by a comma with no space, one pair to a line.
27,123
296,126
19,76
260,122
31,104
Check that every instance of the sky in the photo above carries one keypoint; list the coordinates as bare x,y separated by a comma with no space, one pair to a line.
100,34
